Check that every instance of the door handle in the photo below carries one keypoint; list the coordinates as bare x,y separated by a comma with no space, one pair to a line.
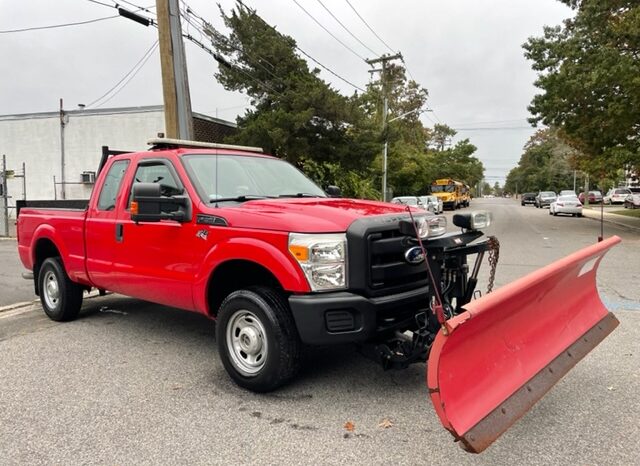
119,232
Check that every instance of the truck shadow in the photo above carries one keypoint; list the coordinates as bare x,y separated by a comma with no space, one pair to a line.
177,330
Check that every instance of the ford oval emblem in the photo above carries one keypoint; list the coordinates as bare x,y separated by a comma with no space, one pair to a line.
414,255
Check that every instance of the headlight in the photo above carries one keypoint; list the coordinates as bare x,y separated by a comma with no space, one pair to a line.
322,258
427,227
437,225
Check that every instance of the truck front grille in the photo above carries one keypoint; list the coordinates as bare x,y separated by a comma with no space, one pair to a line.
389,269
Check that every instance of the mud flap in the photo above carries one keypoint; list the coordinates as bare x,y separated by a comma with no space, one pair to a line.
508,348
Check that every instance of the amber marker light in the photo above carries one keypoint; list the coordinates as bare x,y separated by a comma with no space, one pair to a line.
301,253
134,208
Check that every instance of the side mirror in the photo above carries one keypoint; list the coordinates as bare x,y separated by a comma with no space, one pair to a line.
148,205
333,191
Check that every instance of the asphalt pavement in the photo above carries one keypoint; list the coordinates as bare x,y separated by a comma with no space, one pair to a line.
131,382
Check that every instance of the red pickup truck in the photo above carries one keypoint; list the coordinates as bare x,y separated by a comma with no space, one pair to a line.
248,240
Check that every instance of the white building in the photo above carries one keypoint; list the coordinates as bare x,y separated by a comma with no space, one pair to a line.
36,140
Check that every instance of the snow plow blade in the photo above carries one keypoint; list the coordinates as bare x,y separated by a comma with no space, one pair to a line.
508,348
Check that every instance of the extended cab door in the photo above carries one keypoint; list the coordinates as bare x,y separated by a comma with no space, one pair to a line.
156,261
101,233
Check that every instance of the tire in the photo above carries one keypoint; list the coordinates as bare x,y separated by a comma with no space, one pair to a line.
579,215
61,298
257,339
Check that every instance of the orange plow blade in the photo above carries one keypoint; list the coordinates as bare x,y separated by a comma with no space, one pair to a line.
508,348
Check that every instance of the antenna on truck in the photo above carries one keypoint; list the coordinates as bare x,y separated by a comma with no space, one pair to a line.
169,143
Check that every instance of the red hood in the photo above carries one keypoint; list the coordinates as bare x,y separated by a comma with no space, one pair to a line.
307,215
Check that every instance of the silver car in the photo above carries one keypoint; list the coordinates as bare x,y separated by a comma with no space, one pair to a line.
413,201
432,204
566,205
545,198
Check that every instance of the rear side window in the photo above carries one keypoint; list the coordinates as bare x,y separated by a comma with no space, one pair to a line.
111,186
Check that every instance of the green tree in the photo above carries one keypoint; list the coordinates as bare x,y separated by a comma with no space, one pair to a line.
296,114
589,74
547,163
335,139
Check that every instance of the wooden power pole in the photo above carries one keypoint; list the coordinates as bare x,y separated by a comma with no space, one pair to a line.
175,83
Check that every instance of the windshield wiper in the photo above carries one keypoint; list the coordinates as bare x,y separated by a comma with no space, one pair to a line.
299,195
243,198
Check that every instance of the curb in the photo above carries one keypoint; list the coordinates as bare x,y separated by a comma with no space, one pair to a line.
13,307
610,218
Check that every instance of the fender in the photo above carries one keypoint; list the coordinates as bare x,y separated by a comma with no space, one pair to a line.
73,264
265,254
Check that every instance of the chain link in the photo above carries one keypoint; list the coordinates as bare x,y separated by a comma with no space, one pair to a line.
494,255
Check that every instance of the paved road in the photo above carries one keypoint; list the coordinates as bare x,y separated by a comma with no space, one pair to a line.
13,288
134,383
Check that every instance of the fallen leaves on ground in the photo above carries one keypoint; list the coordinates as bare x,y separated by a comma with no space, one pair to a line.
385,423
350,426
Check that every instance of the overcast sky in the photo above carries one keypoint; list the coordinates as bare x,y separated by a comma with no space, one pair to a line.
467,53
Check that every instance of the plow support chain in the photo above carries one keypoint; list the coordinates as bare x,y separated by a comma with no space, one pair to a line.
508,348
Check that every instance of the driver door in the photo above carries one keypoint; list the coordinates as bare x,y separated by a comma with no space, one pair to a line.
154,259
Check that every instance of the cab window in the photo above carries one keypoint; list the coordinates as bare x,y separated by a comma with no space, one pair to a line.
157,172
111,186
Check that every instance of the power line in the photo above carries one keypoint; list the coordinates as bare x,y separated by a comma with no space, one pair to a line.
101,3
130,78
305,53
347,29
370,28
54,26
496,128
329,32
208,30
140,8
327,69
133,70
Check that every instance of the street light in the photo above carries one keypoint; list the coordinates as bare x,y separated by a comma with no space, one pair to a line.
386,144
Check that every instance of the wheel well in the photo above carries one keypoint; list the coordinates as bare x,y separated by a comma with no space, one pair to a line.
235,275
45,248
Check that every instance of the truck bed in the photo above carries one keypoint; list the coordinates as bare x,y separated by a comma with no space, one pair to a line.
64,227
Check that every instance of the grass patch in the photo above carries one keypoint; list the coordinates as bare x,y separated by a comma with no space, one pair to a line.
628,212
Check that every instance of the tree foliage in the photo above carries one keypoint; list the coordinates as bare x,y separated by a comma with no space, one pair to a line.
547,164
335,139
589,74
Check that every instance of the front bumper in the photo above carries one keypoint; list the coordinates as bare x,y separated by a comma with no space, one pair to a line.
345,317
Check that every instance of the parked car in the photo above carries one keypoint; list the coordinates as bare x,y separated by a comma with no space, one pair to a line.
413,201
545,198
632,201
616,195
595,197
528,198
566,205
432,204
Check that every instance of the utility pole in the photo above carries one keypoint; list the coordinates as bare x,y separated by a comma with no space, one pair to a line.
175,82
385,108
63,123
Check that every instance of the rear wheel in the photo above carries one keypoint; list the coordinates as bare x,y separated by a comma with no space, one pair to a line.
61,298
257,339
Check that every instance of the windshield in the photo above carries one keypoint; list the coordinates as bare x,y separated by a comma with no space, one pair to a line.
447,188
242,178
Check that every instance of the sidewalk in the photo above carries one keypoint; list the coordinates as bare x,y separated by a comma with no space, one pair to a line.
632,223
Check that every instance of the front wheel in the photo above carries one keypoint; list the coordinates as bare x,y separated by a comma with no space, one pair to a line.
257,339
61,298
